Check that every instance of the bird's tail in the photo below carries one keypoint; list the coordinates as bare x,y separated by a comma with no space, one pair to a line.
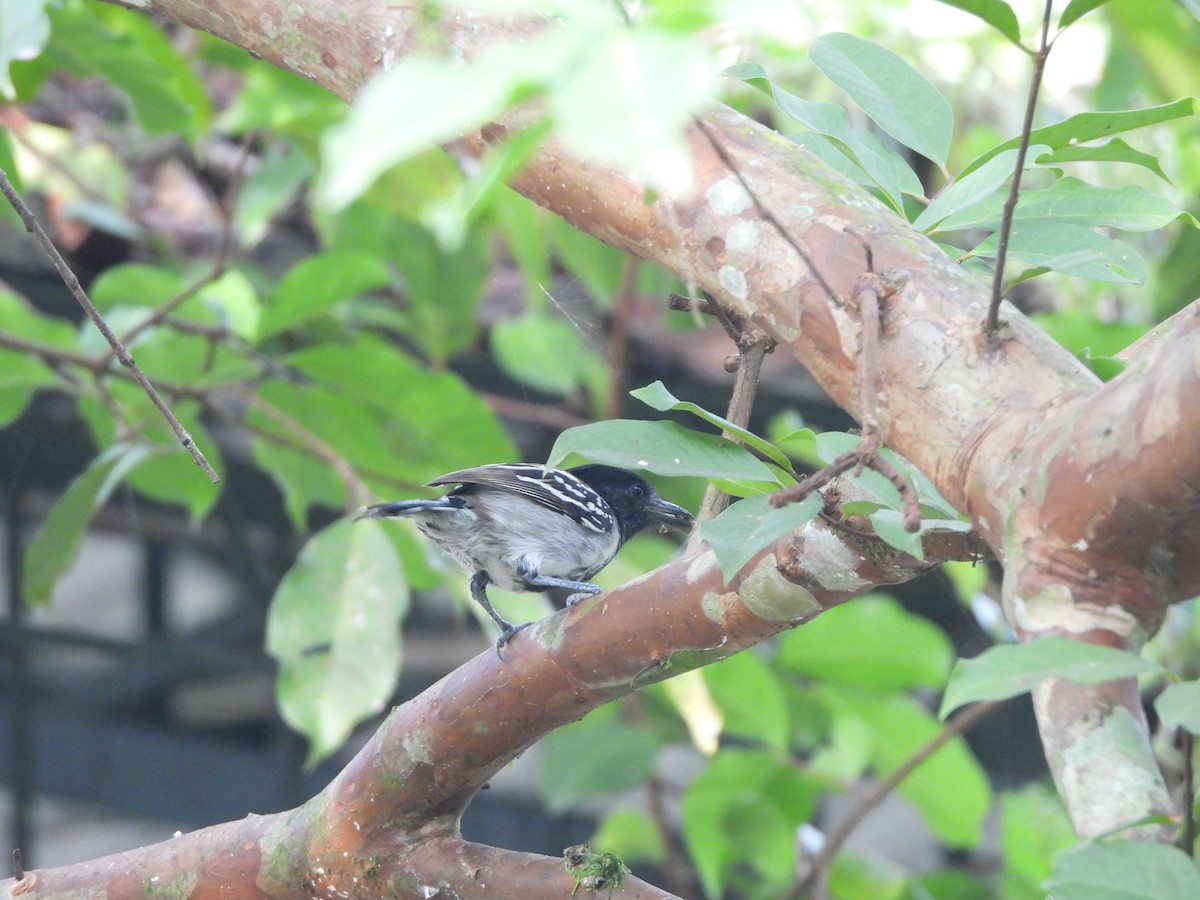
402,508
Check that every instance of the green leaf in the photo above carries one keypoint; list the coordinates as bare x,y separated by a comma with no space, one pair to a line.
1092,126
24,30
663,448
899,99
421,102
957,200
750,525
1123,870
743,810
334,626
268,189
950,788
735,680
171,475
1179,706
132,53
996,13
601,754
135,284
545,352
656,396
56,545
1115,150
626,101
633,835
312,286
871,161
20,376
1076,9
1012,669
1070,249
870,641
1087,333
1027,851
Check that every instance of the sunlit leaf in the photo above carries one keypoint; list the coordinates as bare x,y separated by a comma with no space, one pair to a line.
749,525
900,100
1012,669
1070,249
996,13
1120,870
1179,706
333,626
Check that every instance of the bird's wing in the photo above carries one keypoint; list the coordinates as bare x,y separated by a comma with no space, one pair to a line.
555,489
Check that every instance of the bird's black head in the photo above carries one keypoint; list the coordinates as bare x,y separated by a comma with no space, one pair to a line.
632,499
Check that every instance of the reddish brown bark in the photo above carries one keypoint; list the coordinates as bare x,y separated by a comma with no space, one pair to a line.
1087,493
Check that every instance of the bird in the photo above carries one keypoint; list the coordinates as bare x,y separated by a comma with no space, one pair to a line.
524,527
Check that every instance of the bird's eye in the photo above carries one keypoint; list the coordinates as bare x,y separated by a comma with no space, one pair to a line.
637,491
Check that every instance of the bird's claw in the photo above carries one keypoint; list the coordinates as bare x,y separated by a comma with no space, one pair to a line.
507,635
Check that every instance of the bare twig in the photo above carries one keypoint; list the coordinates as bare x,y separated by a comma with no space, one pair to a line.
880,791
1010,204
1187,745
76,289
753,345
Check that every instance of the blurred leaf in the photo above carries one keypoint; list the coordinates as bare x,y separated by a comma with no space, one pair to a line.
334,627
434,425
1115,150
277,101
695,704
751,699
1120,870
1028,851
656,396
20,375
996,13
632,835
318,282
135,284
626,100
1071,250
663,448
1179,706
869,641
171,476
443,287
1076,9
545,352
597,265
899,99
1090,126
56,545
421,102
600,754
266,191
744,810
1012,669
950,788
132,53
1079,332
956,203
24,30
748,526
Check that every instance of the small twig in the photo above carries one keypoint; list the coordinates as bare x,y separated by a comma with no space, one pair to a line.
880,791
18,866
1010,204
76,289
753,345
870,290
23,882
618,337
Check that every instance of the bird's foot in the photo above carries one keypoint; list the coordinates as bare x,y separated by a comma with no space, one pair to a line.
506,634
578,598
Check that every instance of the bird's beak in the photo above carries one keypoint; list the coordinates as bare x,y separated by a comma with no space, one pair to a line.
667,515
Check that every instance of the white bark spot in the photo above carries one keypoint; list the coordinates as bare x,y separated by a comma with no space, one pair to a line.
733,280
830,561
727,197
770,596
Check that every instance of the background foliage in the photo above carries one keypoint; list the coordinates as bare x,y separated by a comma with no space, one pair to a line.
383,342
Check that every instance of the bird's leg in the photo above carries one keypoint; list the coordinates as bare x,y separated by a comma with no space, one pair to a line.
479,583
533,578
